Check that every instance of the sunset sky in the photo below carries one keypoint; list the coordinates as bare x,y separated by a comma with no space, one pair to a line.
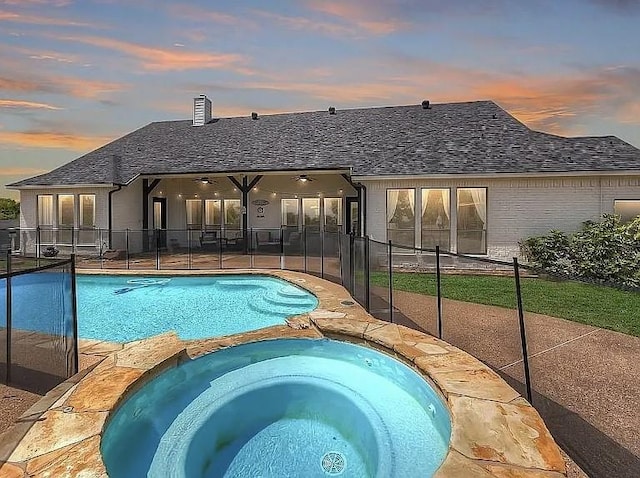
76,74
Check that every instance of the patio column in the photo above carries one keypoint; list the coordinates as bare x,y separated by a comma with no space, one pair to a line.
244,188
146,190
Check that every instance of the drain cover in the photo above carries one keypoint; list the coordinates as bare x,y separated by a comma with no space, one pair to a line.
347,302
333,463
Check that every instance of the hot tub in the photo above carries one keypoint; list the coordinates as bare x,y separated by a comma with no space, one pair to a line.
281,408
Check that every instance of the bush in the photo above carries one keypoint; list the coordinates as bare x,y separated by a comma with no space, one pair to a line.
605,251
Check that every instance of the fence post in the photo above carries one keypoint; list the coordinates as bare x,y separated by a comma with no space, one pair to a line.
367,277
439,291
352,264
304,244
390,264
189,258
251,251
221,241
523,334
281,248
126,238
38,245
8,301
74,313
322,254
157,231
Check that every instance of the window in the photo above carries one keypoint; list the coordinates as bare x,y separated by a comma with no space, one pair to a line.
45,218
472,220
45,211
627,209
290,214
332,214
212,214
66,218
311,213
194,214
87,222
436,213
401,224
87,211
232,214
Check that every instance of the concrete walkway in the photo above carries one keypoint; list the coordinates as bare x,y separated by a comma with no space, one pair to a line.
586,380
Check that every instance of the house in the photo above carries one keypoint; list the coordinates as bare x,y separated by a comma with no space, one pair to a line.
466,176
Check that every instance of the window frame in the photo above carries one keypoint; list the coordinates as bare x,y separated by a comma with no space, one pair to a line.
623,220
387,219
484,232
444,230
194,226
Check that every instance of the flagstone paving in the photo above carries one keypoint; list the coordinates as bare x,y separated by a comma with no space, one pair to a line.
495,432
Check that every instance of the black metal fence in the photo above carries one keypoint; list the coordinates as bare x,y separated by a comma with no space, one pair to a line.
38,325
506,314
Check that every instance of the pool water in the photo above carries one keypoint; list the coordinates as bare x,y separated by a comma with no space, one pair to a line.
124,308
281,408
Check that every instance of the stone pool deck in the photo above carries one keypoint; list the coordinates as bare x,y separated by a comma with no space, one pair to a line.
495,432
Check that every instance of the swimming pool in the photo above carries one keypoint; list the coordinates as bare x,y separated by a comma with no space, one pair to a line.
122,308
281,408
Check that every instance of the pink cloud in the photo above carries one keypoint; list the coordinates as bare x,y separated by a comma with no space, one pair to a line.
22,104
6,16
52,139
164,59
364,16
76,87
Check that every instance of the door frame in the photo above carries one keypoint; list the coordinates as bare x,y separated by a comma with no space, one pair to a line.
162,240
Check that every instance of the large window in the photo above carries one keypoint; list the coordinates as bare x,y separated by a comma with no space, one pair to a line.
311,212
232,214
472,220
332,214
290,212
87,211
194,214
45,211
87,219
627,209
436,214
401,220
45,218
66,218
212,214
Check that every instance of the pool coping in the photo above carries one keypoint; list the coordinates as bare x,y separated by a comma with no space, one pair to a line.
494,431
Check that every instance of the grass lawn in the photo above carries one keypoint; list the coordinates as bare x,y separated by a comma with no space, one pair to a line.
586,303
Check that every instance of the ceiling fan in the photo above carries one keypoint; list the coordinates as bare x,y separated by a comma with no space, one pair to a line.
204,180
303,178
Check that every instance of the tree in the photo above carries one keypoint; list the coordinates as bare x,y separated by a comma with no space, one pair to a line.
9,208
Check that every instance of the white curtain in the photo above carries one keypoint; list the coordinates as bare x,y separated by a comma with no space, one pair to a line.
392,203
45,210
412,200
479,196
446,202
425,200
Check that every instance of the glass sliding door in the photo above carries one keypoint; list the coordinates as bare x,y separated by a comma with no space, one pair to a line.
472,220
332,214
401,219
194,214
435,220
212,214
290,213
311,213
232,218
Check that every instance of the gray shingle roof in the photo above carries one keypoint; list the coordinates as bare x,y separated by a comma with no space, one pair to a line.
452,138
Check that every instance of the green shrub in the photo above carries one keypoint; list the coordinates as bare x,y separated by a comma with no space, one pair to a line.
605,251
